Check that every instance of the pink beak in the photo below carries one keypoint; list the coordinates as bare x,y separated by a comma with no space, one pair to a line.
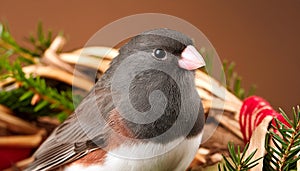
191,59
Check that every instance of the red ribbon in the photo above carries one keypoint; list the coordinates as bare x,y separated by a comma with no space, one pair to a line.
252,113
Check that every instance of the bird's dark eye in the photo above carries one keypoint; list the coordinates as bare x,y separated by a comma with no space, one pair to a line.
159,54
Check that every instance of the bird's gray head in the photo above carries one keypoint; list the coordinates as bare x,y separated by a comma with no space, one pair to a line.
165,46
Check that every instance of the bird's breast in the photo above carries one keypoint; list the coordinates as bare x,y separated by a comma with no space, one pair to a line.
146,157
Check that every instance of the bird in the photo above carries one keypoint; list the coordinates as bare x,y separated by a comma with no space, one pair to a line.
143,114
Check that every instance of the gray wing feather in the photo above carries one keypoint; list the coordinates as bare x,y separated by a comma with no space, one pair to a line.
84,125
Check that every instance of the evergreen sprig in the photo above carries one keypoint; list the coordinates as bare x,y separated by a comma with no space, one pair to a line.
233,81
285,153
39,43
238,161
52,101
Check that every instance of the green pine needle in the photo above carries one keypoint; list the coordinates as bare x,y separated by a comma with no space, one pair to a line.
238,161
18,96
285,153
234,81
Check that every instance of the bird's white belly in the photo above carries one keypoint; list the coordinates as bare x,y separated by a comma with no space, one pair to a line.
177,159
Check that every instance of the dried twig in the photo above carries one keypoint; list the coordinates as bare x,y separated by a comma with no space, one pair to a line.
16,124
22,141
5,109
60,75
20,164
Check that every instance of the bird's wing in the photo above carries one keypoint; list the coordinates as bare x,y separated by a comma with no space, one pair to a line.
82,132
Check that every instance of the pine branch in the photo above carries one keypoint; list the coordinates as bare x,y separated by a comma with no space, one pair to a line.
40,43
59,102
230,77
233,81
30,95
238,161
283,156
8,43
42,40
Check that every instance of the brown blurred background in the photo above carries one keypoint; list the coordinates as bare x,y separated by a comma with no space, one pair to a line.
261,37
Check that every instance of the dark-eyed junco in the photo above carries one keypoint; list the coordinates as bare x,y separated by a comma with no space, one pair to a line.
144,114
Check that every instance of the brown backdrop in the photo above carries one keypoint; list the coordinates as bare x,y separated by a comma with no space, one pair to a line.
262,37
